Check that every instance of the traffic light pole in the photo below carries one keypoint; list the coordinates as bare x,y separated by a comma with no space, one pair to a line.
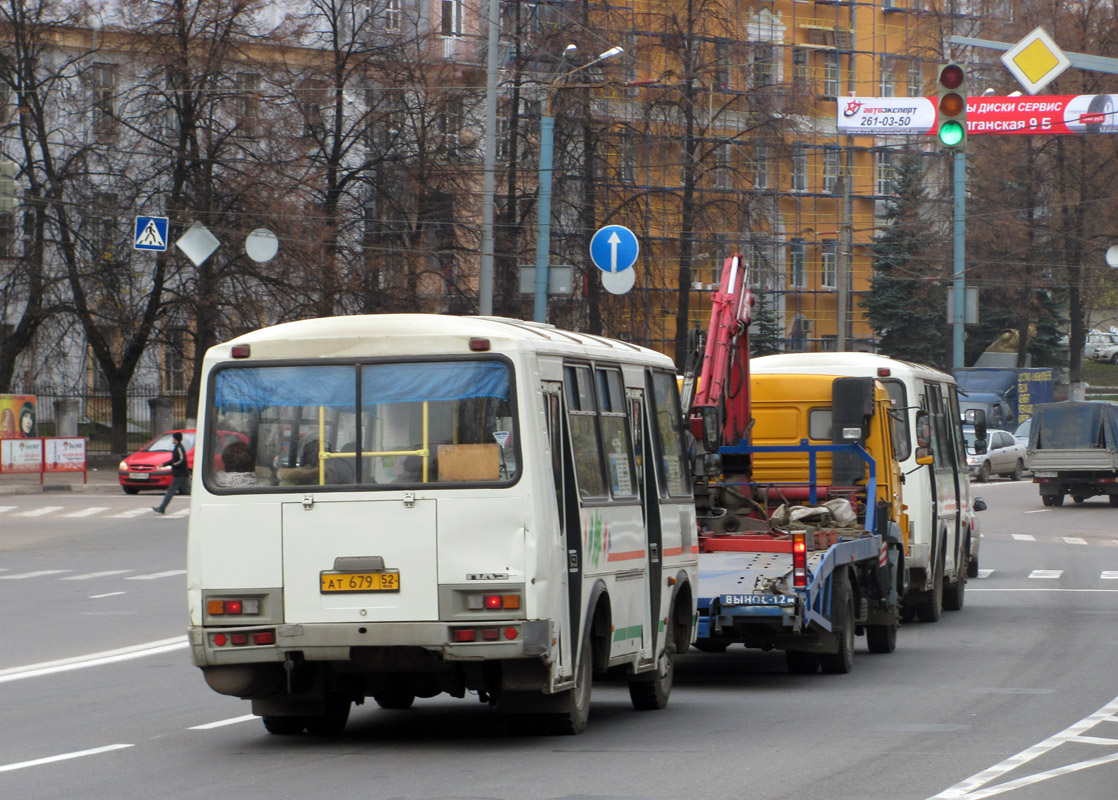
959,259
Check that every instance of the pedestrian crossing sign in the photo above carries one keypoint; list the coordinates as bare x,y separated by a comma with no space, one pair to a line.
151,233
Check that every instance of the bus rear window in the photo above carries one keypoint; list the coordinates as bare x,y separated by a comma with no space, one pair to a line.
450,423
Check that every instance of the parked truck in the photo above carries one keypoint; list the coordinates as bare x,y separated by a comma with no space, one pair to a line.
1073,450
798,497
1008,396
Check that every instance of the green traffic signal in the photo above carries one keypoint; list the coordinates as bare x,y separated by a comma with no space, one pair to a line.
950,133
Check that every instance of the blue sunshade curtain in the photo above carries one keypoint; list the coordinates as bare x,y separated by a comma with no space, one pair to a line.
434,382
249,388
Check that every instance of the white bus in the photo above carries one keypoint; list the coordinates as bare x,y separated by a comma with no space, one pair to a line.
433,504
943,541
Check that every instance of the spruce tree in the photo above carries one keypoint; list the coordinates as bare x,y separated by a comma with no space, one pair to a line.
907,300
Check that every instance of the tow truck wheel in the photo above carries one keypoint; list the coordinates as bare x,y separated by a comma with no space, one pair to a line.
881,638
842,661
801,663
650,690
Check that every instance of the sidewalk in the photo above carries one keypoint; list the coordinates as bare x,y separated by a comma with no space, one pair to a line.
101,477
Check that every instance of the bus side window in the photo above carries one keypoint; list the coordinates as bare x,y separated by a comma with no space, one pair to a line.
582,418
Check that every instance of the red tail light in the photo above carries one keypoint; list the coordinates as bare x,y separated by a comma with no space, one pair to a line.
799,560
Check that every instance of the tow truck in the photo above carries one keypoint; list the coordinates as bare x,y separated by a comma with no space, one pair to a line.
798,494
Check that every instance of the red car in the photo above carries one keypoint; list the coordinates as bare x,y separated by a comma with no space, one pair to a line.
148,468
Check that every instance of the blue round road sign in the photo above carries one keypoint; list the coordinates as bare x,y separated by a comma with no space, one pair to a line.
614,248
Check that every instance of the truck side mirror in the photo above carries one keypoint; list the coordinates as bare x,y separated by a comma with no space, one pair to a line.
924,438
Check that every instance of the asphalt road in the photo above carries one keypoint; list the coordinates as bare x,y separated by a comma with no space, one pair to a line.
1014,696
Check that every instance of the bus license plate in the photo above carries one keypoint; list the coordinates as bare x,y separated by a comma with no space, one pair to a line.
340,582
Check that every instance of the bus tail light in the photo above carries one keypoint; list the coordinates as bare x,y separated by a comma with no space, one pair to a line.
246,607
243,638
799,560
493,602
483,634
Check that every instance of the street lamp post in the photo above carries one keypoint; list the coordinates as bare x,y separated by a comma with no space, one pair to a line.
543,209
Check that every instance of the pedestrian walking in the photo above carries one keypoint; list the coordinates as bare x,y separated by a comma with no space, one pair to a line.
180,474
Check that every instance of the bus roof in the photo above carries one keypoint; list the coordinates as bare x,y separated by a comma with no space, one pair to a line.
845,363
373,335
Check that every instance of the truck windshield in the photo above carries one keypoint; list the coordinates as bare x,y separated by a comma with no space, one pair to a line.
369,425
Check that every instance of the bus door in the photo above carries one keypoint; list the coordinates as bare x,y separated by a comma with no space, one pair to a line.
945,472
650,505
566,503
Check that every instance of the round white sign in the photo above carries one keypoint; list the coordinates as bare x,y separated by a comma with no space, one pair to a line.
1112,256
261,245
619,282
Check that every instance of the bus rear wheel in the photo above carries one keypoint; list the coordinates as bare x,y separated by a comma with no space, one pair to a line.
575,703
649,691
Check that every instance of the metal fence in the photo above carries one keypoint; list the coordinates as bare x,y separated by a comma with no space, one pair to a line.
95,416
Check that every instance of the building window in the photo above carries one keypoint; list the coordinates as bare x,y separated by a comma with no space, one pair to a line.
831,168
764,65
174,361
452,17
915,81
888,86
722,74
450,123
828,273
103,79
721,160
392,15
797,271
246,89
103,238
627,158
831,74
883,172
800,69
799,168
761,167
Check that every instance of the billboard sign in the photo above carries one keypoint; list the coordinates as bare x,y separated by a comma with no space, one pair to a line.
17,416
1041,114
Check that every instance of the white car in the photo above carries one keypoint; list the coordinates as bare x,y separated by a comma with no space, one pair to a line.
1005,456
1106,352
1100,340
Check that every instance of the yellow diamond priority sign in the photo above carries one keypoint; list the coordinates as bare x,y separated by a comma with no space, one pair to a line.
1035,61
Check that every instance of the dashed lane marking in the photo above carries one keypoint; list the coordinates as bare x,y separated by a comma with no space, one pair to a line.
19,576
131,513
4,509
39,512
1074,540
38,762
102,574
86,512
156,575
221,723
1109,575
985,573
1024,537
1046,574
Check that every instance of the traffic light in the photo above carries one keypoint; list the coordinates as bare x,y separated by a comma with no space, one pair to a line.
8,172
951,109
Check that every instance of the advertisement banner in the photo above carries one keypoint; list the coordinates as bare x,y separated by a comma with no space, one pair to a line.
1052,114
17,416
64,455
21,455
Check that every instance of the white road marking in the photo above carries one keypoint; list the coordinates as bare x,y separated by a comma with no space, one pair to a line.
184,513
107,594
222,723
94,659
87,512
1046,574
975,787
1074,540
1024,537
154,575
985,573
101,574
1109,575
63,757
1038,511
39,512
19,576
13,508
135,512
